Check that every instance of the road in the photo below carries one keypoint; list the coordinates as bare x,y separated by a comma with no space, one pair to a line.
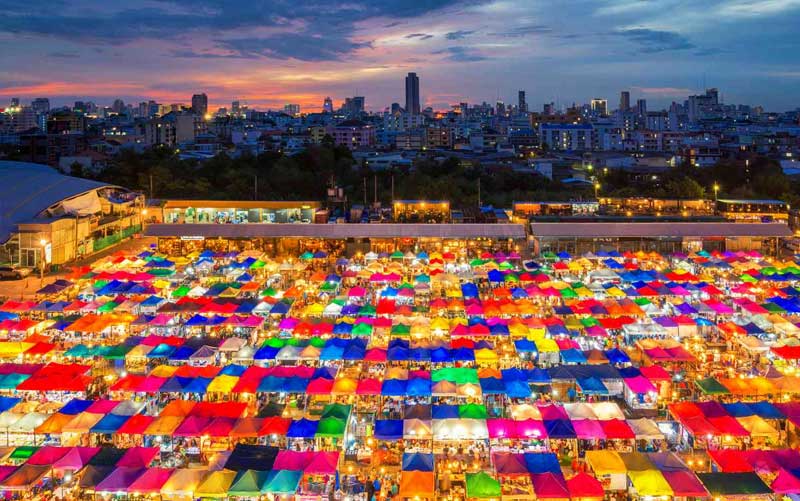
26,288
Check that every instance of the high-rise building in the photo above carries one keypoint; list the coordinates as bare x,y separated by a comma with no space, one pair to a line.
549,109
599,106
624,100
353,106
14,102
40,105
291,109
522,106
235,108
200,104
641,107
412,94
117,107
327,105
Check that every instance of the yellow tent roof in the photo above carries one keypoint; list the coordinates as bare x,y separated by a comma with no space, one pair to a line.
215,485
184,481
485,355
10,349
223,383
344,386
605,462
758,426
650,483
163,370
546,345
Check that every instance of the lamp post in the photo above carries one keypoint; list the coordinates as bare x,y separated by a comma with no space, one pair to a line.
43,243
596,189
716,191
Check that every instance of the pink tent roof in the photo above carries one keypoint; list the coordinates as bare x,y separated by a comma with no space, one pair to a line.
588,429
138,457
292,460
192,426
500,428
529,428
639,385
104,406
220,427
120,479
549,486
684,483
76,458
151,480
323,463
6,470
786,483
48,455
357,292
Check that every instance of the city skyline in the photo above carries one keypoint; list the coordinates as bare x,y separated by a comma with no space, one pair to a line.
267,54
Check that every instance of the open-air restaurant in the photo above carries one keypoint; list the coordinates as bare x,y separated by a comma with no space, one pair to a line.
407,375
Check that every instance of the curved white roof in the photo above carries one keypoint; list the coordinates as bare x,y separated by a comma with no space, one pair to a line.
26,189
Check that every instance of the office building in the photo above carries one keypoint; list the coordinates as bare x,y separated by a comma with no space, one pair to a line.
412,94
522,106
41,105
599,106
641,108
199,104
327,105
624,100
291,109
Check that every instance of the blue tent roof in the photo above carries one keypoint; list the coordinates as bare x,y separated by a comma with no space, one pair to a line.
110,423
302,428
417,461
542,462
444,412
388,429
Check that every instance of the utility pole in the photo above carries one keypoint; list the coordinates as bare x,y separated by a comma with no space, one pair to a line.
365,191
479,192
255,187
151,186
375,190
392,200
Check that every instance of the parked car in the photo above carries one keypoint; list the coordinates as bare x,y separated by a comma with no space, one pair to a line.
14,272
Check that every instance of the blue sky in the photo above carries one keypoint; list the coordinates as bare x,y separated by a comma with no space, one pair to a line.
270,52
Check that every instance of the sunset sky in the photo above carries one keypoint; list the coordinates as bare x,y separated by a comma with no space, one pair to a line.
268,53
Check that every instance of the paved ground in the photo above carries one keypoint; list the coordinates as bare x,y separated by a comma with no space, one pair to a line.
27,287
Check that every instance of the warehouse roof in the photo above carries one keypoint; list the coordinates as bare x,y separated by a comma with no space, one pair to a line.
654,230
27,189
336,231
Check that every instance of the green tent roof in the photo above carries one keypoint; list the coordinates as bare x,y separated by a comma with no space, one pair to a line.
711,386
331,427
734,484
248,483
481,485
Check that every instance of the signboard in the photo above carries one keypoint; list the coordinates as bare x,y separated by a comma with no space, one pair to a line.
192,238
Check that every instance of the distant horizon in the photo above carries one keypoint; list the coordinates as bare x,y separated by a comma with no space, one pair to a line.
613,104
268,53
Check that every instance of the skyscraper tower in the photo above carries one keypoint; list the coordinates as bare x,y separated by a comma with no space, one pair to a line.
412,94
327,105
522,106
624,100
200,104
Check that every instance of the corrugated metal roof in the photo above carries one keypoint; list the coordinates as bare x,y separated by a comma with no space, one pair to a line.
393,230
653,230
26,189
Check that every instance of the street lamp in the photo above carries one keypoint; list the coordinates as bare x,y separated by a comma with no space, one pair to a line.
596,189
716,191
43,243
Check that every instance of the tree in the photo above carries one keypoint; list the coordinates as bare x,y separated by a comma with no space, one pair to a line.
685,188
